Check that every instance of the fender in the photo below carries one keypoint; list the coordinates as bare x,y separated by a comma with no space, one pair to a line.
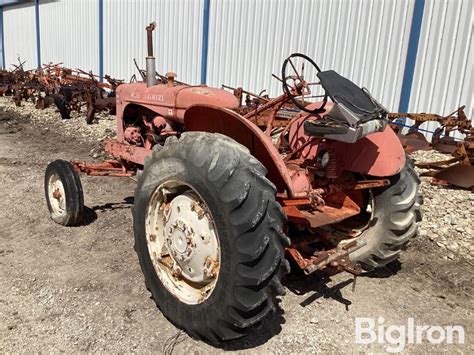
214,119
378,154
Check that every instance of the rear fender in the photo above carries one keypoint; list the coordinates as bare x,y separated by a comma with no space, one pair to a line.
213,119
378,154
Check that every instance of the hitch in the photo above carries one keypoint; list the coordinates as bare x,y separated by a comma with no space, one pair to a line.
337,258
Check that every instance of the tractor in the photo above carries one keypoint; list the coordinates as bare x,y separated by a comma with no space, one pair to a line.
232,191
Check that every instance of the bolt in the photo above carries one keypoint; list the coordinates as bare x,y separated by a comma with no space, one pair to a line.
177,272
212,265
57,194
195,207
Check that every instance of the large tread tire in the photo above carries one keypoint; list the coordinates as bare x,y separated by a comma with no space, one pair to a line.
249,222
74,195
396,216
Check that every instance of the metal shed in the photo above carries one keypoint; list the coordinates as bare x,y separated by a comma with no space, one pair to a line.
413,55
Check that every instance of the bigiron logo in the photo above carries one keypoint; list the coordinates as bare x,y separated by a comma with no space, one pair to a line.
371,330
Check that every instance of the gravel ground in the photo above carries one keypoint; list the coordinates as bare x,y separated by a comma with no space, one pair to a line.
449,213
94,134
80,289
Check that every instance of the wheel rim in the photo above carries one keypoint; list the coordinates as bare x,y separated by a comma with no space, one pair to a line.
57,196
182,242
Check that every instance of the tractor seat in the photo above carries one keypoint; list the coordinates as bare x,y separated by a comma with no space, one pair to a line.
344,92
355,113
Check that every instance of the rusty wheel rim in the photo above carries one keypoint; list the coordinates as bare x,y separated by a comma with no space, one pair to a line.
56,196
182,242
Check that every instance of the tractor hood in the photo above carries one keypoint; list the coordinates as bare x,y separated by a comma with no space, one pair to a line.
172,101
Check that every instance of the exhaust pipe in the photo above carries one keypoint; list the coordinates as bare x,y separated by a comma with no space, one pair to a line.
150,60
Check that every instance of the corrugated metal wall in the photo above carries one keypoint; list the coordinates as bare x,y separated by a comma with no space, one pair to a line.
178,37
19,35
366,41
443,77
69,33
363,40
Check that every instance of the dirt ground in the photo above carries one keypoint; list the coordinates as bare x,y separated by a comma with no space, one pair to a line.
81,288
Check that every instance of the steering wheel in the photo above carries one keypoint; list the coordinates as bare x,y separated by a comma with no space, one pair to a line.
298,87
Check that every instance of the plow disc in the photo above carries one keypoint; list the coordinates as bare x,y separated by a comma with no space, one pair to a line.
450,172
457,175
414,141
444,145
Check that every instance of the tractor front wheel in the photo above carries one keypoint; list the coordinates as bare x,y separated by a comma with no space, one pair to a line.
209,237
63,192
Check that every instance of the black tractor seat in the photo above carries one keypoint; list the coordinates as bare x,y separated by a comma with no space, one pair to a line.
355,113
343,91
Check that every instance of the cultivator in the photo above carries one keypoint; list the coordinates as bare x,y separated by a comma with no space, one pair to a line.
70,90
15,83
459,170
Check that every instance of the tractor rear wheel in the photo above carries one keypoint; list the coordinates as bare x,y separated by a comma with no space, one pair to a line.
209,237
395,216
64,195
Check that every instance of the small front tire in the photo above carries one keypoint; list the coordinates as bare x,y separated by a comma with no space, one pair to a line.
63,191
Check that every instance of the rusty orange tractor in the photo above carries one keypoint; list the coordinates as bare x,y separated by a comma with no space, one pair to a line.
229,194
